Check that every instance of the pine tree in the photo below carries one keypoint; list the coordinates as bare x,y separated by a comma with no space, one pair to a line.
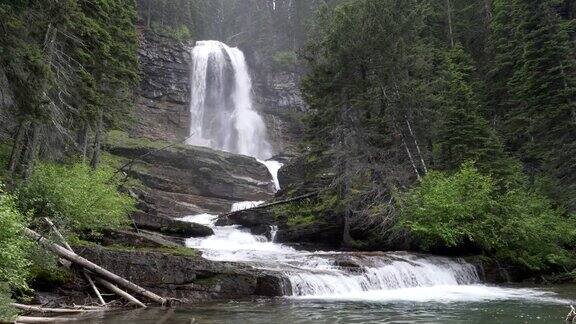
465,134
542,124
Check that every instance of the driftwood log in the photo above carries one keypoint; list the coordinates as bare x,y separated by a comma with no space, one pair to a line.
47,310
571,317
276,203
101,281
66,245
94,268
33,320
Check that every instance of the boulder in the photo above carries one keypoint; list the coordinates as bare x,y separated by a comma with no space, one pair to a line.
170,226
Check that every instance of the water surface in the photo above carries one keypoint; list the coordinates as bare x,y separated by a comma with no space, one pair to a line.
539,305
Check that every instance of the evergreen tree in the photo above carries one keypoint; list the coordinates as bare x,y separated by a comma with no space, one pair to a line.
465,134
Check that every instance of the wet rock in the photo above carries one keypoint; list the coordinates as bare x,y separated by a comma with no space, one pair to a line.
170,226
183,180
136,239
188,278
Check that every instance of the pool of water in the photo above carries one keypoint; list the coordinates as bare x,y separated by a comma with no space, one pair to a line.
548,305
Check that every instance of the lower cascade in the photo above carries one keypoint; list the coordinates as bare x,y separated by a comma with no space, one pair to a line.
329,274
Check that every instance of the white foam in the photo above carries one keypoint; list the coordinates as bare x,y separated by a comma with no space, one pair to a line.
445,294
245,205
273,168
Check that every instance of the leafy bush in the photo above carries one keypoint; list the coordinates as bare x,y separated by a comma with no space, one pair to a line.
14,263
77,196
285,61
517,226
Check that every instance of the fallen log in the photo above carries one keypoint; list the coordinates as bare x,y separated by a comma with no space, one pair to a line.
75,258
119,292
66,245
47,310
34,320
276,203
571,317
103,282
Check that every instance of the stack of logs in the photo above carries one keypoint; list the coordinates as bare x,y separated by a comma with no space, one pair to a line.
93,274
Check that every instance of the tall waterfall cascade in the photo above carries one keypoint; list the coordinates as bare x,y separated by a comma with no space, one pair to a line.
221,111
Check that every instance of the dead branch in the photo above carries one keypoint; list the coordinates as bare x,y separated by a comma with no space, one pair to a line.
73,257
47,310
276,203
571,317
67,246
33,320
119,292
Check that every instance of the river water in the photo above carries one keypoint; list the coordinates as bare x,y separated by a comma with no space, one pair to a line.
541,305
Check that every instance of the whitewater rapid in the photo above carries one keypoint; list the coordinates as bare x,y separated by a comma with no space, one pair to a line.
374,277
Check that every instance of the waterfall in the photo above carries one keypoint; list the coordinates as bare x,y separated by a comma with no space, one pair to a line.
221,112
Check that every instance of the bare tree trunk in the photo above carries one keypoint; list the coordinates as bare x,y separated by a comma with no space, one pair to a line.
149,14
18,146
346,237
31,150
73,257
411,158
450,25
103,282
83,141
417,146
97,141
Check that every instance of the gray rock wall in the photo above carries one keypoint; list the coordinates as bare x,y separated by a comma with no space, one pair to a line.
163,99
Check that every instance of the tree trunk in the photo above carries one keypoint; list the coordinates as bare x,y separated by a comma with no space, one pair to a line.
450,24
83,140
17,147
346,237
417,146
73,257
31,150
103,282
119,292
97,141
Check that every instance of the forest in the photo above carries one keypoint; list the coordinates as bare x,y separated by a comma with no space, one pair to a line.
439,127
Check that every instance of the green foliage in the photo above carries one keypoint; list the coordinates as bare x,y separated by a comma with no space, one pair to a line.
300,213
180,33
14,263
285,60
13,255
122,139
76,196
7,313
518,226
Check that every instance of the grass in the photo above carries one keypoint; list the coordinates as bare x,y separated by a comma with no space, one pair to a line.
175,250
122,139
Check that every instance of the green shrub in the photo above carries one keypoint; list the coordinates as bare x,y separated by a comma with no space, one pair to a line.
285,60
76,196
14,263
517,226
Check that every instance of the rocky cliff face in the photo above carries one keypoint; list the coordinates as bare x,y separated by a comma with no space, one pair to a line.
183,180
163,99
278,98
